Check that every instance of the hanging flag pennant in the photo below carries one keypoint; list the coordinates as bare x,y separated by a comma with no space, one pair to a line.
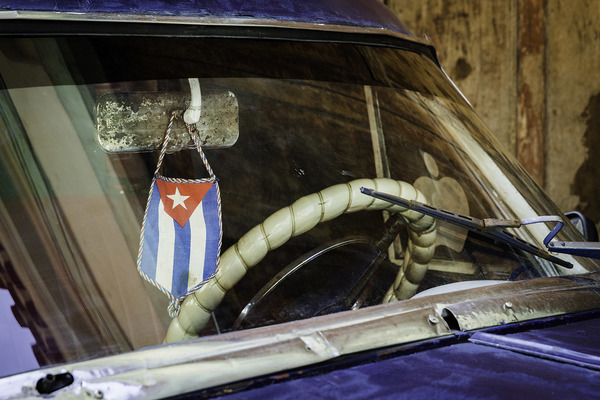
180,241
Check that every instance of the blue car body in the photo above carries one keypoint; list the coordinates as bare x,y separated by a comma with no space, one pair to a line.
558,361
358,13
519,355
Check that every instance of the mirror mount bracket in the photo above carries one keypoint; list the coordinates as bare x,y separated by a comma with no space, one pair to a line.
192,114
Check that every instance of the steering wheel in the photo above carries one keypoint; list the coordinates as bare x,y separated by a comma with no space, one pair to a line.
300,217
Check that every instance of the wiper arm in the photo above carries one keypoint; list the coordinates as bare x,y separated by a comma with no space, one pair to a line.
582,249
490,227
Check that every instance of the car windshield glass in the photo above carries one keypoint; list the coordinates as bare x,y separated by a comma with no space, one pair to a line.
306,119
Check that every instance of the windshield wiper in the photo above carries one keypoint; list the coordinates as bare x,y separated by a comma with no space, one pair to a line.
490,227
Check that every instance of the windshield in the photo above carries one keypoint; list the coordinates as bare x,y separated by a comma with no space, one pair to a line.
306,118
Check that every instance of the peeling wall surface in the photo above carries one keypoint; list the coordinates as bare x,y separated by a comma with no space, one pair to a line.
531,68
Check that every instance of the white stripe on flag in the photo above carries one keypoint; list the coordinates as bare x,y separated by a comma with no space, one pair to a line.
166,248
198,246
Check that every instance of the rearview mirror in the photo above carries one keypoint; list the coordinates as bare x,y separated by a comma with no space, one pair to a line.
137,121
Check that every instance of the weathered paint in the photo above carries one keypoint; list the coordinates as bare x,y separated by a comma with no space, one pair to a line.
366,13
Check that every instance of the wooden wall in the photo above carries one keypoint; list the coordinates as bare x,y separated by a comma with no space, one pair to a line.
531,68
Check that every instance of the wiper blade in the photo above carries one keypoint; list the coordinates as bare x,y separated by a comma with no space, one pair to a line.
490,227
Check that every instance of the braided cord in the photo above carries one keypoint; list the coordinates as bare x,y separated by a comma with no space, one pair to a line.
175,303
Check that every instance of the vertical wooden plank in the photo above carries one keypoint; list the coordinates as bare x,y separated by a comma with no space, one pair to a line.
531,87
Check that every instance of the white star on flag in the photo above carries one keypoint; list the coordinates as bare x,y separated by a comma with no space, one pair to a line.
178,199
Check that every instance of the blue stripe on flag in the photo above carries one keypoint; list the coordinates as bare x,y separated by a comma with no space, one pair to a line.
181,259
211,217
151,236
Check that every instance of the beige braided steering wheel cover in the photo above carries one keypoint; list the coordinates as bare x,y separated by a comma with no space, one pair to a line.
300,217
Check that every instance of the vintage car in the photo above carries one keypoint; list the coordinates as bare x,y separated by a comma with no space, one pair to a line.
269,199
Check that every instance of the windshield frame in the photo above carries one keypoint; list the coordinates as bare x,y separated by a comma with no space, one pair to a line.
313,337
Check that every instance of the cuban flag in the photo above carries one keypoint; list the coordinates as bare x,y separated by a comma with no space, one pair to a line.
181,235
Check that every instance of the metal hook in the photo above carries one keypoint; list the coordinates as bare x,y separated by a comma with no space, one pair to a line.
546,218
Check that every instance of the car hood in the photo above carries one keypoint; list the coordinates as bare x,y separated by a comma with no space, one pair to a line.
558,360
214,361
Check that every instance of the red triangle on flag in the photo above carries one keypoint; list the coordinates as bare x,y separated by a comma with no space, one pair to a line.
180,200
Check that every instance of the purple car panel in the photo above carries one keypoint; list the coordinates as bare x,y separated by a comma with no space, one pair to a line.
337,12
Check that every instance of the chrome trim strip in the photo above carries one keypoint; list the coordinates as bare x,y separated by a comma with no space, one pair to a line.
206,21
